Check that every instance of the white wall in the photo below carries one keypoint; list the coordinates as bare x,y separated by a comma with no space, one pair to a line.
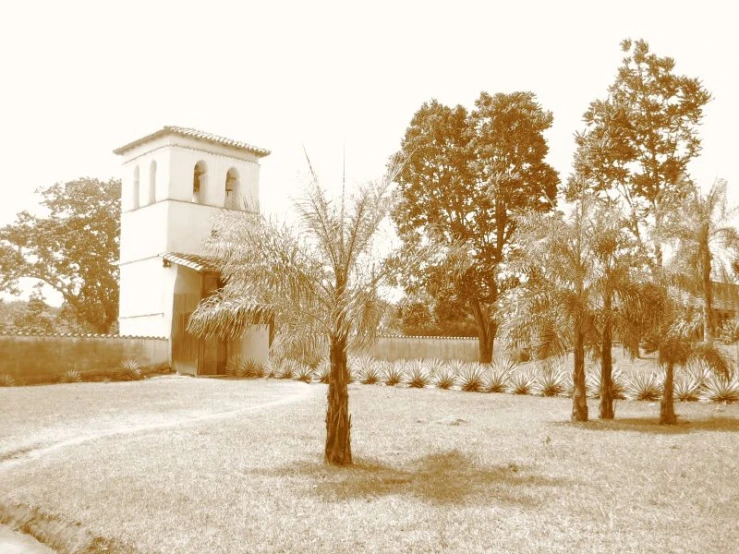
253,345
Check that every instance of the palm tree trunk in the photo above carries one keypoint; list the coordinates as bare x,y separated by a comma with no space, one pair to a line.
338,420
579,393
486,331
606,365
708,326
667,406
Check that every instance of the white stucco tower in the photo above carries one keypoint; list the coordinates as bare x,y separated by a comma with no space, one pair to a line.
173,182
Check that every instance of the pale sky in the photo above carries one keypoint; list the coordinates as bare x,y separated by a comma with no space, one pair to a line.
82,78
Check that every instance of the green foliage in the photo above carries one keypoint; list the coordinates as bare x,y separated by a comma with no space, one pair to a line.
129,370
643,136
74,249
644,386
465,175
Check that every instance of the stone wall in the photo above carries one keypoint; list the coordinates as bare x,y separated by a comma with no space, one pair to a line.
33,359
411,348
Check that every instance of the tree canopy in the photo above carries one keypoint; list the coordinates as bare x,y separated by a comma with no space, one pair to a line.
465,176
73,248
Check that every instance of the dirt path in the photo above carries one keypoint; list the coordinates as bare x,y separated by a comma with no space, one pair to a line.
26,454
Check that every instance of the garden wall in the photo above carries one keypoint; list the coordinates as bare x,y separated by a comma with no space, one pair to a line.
33,359
411,348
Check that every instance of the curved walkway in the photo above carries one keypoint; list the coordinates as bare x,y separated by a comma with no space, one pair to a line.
27,454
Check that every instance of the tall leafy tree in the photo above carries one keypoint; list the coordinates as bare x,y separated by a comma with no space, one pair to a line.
638,142
466,175
318,278
73,248
706,244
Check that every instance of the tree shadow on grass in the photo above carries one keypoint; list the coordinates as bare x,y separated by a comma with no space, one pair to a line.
651,425
446,478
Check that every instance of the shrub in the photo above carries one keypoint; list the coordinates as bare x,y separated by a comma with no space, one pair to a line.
288,369
522,382
238,366
304,373
129,370
393,373
369,374
499,374
71,376
644,386
444,377
418,376
434,366
688,388
471,377
593,384
721,389
550,381
323,370
6,380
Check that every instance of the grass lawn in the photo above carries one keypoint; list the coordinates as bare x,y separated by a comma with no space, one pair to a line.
438,471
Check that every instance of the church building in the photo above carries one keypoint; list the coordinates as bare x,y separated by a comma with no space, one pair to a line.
174,182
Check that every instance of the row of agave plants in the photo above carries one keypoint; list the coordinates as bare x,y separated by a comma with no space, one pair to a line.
127,370
502,376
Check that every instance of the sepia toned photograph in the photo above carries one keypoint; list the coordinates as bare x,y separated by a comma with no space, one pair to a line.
390,277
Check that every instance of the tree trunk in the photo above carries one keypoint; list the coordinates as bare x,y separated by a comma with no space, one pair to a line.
667,406
606,365
486,331
338,420
579,393
708,326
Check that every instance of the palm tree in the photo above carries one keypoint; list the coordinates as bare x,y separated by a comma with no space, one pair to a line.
317,278
671,321
578,271
707,244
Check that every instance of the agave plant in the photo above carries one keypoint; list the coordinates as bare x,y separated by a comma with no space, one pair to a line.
6,380
644,386
71,376
369,374
720,388
288,370
550,381
323,371
472,377
129,370
304,373
434,366
522,382
394,373
688,388
418,376
444,377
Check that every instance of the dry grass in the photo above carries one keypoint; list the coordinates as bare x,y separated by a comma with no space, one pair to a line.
438,471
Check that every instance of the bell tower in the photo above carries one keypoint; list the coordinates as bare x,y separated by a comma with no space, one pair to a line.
174,181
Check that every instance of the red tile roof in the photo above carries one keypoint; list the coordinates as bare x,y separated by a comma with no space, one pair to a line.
198,135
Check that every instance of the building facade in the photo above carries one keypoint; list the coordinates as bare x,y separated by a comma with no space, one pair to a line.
174,182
